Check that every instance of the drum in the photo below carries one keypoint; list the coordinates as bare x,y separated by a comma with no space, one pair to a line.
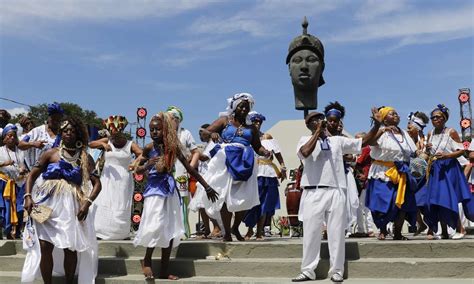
293,197
192,185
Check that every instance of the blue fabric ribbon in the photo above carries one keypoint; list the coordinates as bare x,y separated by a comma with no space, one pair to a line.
162,184
63,170
239,162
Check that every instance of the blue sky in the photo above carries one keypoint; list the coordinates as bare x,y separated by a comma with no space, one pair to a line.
114,56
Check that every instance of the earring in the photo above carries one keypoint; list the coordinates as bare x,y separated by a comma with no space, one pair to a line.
79,144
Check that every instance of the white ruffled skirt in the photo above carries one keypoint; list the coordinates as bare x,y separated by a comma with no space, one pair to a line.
64,231
238,195
161,222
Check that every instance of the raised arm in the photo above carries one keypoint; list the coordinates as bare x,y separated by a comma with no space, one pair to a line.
374,133
102,143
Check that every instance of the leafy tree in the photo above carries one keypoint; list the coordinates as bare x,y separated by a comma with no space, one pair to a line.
39,114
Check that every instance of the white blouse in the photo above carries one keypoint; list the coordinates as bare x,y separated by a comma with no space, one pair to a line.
389,149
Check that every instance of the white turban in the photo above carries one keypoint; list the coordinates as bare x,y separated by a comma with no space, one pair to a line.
416,121
235,100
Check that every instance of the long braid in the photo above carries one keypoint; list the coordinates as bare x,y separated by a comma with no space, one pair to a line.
170,140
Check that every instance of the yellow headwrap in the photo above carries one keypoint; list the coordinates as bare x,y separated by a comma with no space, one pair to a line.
384,111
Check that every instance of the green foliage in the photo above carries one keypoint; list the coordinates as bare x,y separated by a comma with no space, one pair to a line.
39,114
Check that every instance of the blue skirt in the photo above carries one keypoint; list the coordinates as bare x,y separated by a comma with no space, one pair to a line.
446,188
380,199
5,212
269,201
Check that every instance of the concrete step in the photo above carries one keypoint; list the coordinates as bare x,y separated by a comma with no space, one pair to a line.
286,248
281,267
14,277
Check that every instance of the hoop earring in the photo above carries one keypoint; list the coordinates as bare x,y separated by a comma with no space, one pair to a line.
79,144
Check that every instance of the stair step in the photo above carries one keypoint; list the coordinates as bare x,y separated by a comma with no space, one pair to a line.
287,248
281,267
14,277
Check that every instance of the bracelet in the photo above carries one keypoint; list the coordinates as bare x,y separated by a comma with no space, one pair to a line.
208,189
89,200
27,194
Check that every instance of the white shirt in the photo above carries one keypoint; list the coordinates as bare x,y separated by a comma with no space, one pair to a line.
37,134
188,144
326,167
389,150
13,171
203,166
268,170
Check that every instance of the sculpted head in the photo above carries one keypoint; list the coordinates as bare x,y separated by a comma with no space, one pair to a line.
306,65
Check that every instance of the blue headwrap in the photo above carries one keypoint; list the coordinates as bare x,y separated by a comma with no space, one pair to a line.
55,108
9,127
334,112
443,109
253,115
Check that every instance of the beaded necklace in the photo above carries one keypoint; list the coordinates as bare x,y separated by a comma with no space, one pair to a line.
73,160
16,155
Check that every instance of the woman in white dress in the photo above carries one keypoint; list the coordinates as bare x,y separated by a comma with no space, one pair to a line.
114,204
161,221
61,206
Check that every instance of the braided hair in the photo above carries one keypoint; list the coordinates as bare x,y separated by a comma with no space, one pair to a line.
170,138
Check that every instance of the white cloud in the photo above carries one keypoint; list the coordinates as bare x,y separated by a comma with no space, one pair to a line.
17,110
265,19
417,27
375,8
28,17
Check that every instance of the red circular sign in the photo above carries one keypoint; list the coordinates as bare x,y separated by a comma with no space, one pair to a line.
141,112
466,144
138,197
465,123
136,218
463,97
138,177
141,132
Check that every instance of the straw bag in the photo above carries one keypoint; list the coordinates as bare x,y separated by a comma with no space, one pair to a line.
41,213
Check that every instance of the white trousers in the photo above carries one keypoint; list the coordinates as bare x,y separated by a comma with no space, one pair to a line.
364,217
316,206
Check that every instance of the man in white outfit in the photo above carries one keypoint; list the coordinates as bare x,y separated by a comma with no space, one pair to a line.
324,181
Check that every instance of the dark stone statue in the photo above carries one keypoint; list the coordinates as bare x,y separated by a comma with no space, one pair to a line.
306,64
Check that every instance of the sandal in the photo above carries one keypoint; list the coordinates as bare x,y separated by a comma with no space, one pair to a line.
170,277
300,278
381,237
147,271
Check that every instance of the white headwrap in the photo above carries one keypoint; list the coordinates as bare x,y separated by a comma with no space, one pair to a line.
416,121
234,101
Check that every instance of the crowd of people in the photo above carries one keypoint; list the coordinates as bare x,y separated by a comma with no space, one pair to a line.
76,191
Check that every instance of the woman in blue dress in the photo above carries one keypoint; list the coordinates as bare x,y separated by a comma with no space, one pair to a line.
67,194
391,188
446,186
232,170
161,222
